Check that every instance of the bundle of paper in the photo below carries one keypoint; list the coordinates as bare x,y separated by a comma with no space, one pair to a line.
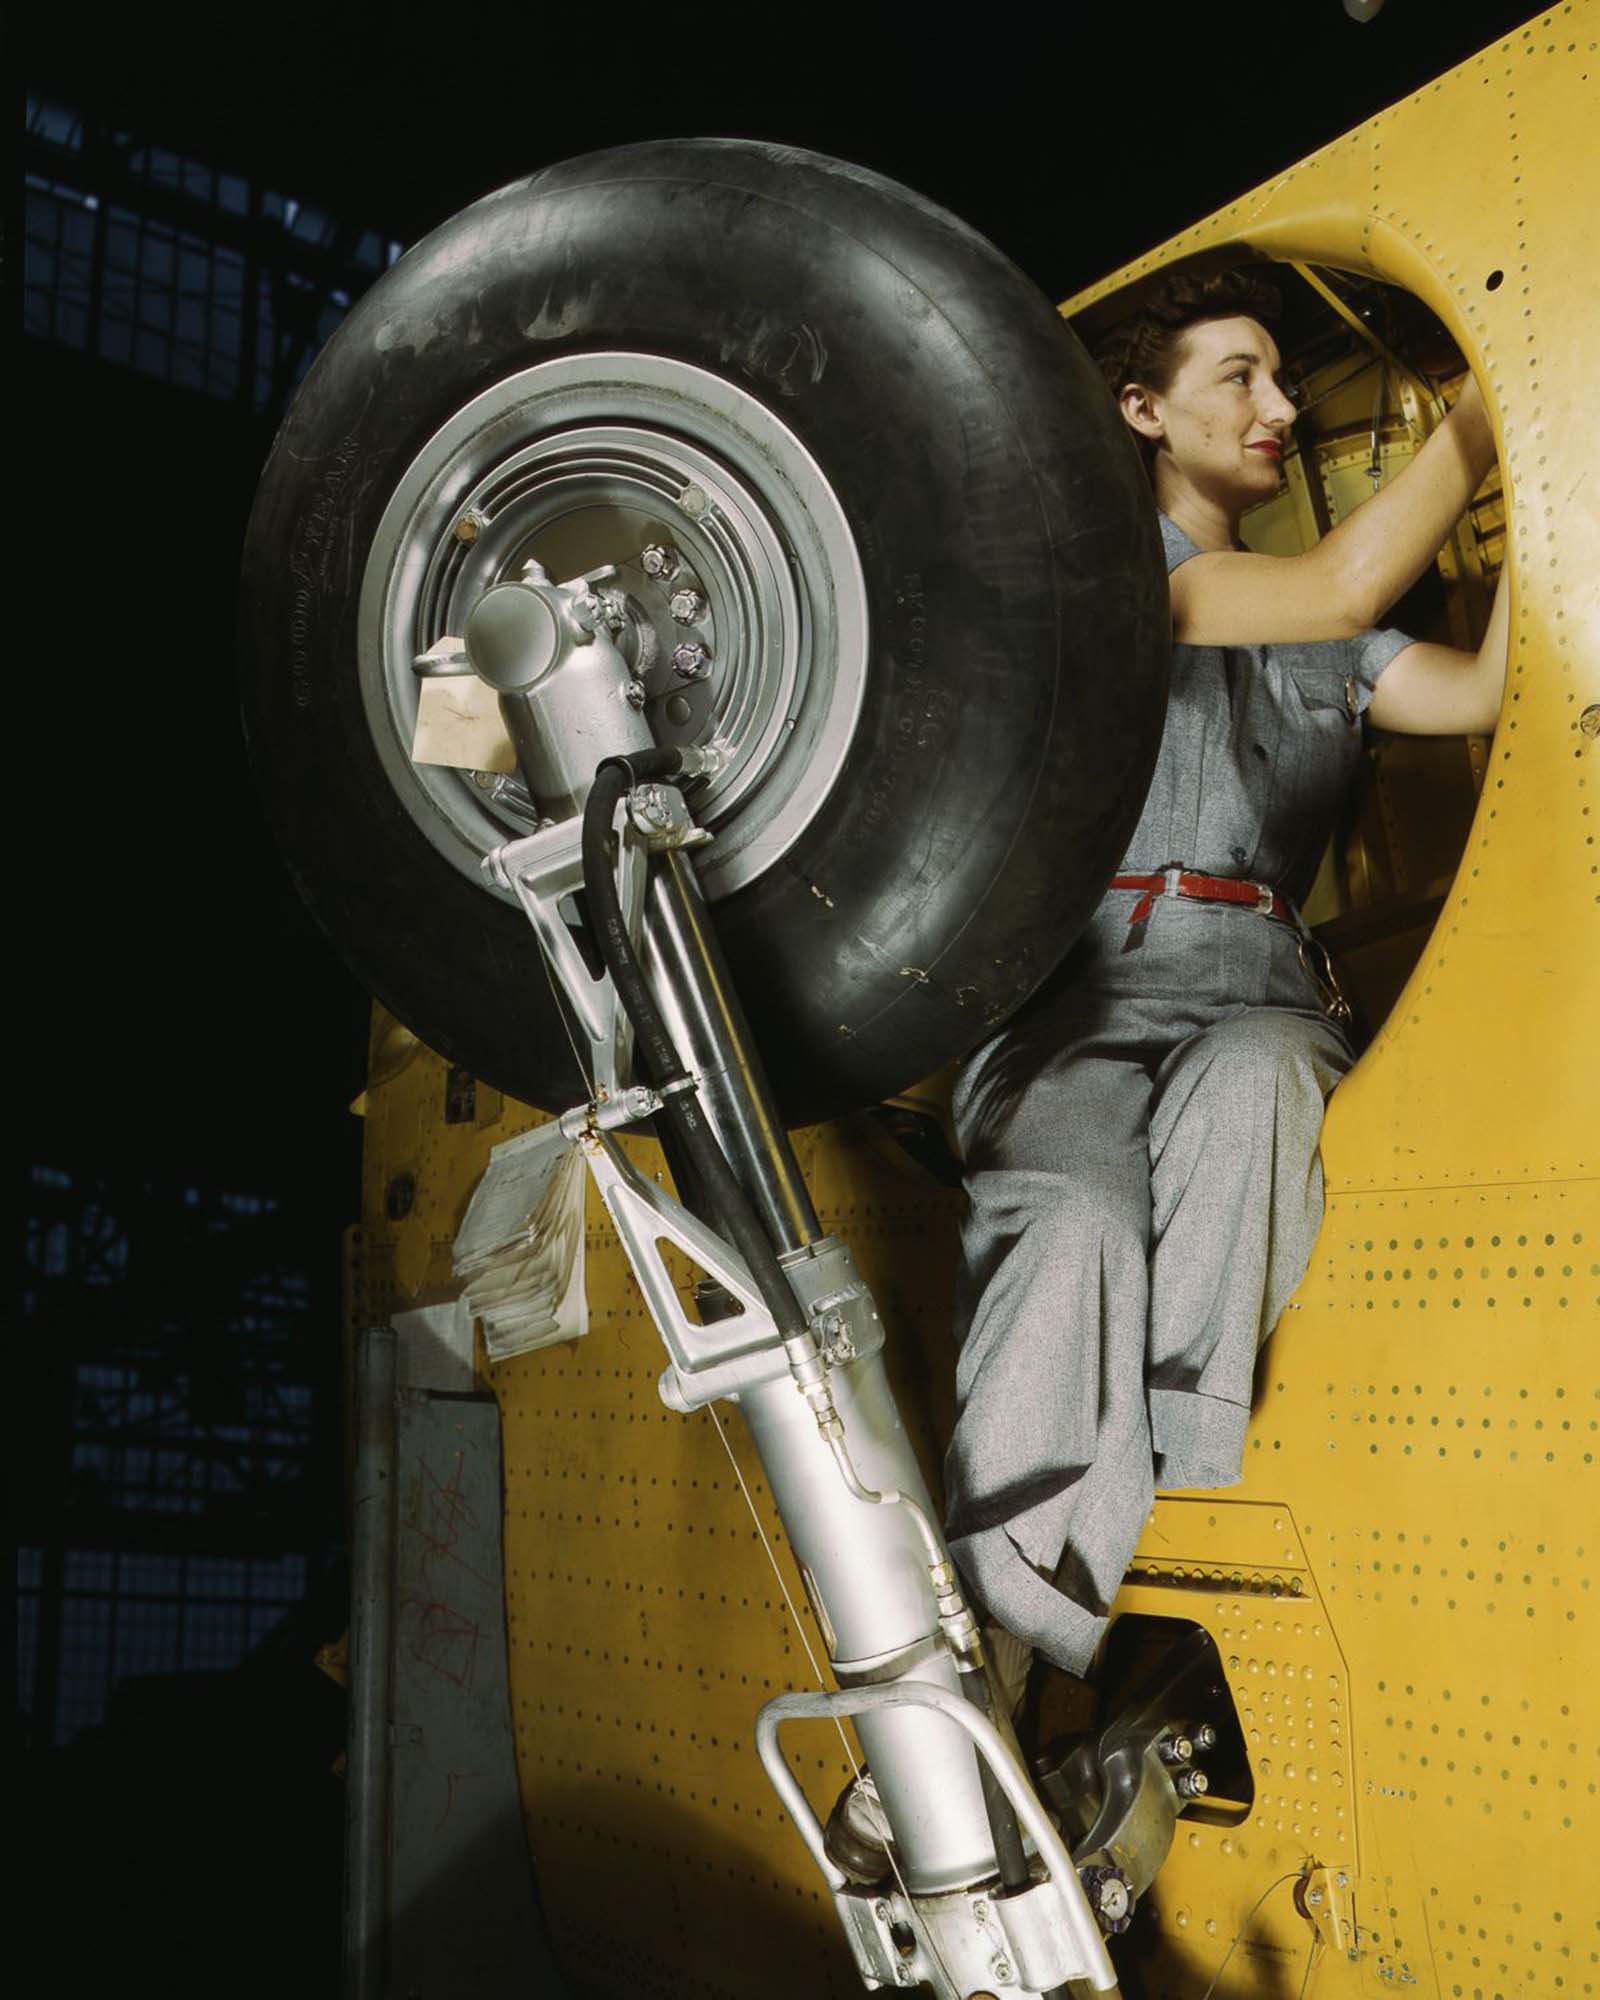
519,1251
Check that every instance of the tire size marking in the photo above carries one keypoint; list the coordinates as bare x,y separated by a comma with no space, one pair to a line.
309,565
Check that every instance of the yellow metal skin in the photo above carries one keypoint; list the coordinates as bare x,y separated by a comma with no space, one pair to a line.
1402,1590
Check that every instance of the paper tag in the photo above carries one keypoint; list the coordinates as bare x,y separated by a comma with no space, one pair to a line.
459,724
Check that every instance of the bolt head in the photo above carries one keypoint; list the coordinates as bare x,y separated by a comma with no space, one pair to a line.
634,694
691,661
687,606
470,525
1589,721
658,560
1001,1969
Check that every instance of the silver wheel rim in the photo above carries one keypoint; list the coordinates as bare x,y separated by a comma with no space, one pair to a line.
582,461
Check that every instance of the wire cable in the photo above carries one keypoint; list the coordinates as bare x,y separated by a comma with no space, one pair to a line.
816,1668
1238,1936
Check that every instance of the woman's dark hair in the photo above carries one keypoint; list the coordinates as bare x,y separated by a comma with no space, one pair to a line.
1148,345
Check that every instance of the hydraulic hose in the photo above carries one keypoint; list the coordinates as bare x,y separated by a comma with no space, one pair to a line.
729,1203
1006,1834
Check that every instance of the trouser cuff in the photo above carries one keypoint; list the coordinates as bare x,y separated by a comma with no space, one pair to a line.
1199,1440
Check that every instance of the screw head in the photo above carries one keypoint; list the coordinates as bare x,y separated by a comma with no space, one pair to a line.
687,606
1001,1970
658,559
691,661
470,525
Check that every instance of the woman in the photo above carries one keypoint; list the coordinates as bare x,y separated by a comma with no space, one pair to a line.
1141,1143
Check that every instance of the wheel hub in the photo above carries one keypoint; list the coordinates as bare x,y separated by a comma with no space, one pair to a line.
736,595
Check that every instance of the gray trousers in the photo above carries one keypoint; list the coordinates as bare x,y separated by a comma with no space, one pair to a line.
1145,1191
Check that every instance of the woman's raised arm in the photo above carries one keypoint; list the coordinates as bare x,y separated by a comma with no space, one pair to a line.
1349,580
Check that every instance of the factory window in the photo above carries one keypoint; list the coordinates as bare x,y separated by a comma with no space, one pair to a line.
173,1500
178,269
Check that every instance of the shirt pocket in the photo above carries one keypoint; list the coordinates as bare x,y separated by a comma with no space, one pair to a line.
1322,723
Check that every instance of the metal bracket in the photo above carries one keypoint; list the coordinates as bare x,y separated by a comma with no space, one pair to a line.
1326,1897
545,869
662,820
711,1360
1055,1940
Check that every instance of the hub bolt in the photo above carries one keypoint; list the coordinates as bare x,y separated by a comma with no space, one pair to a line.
659,560
691,661
1205,1737
1177,1750
470,525
687,606
1193,1783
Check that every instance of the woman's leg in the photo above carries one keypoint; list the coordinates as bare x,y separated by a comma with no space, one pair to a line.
1236,1184
1049,1468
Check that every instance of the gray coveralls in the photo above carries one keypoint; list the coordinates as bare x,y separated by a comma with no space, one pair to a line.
1141,1152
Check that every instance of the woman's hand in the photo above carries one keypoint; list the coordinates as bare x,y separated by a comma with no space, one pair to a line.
1469,416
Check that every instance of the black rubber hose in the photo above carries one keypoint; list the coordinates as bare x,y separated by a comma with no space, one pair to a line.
730,1204
1004,1831
615,777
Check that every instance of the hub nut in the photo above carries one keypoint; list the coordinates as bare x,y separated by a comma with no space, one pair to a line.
691,661
657,559
1193,1783
687,606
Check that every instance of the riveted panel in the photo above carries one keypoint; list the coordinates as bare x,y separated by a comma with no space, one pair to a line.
1427,1409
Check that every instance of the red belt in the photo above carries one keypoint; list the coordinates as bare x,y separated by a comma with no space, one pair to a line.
1203,889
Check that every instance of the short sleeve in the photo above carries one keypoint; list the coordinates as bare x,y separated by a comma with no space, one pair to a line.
1369,653
1176,543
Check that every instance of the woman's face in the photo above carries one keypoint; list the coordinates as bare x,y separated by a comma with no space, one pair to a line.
1220,424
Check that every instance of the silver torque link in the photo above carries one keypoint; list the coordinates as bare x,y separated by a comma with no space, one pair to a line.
1033,1942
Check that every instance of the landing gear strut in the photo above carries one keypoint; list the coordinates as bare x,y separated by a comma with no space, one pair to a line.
791,1334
